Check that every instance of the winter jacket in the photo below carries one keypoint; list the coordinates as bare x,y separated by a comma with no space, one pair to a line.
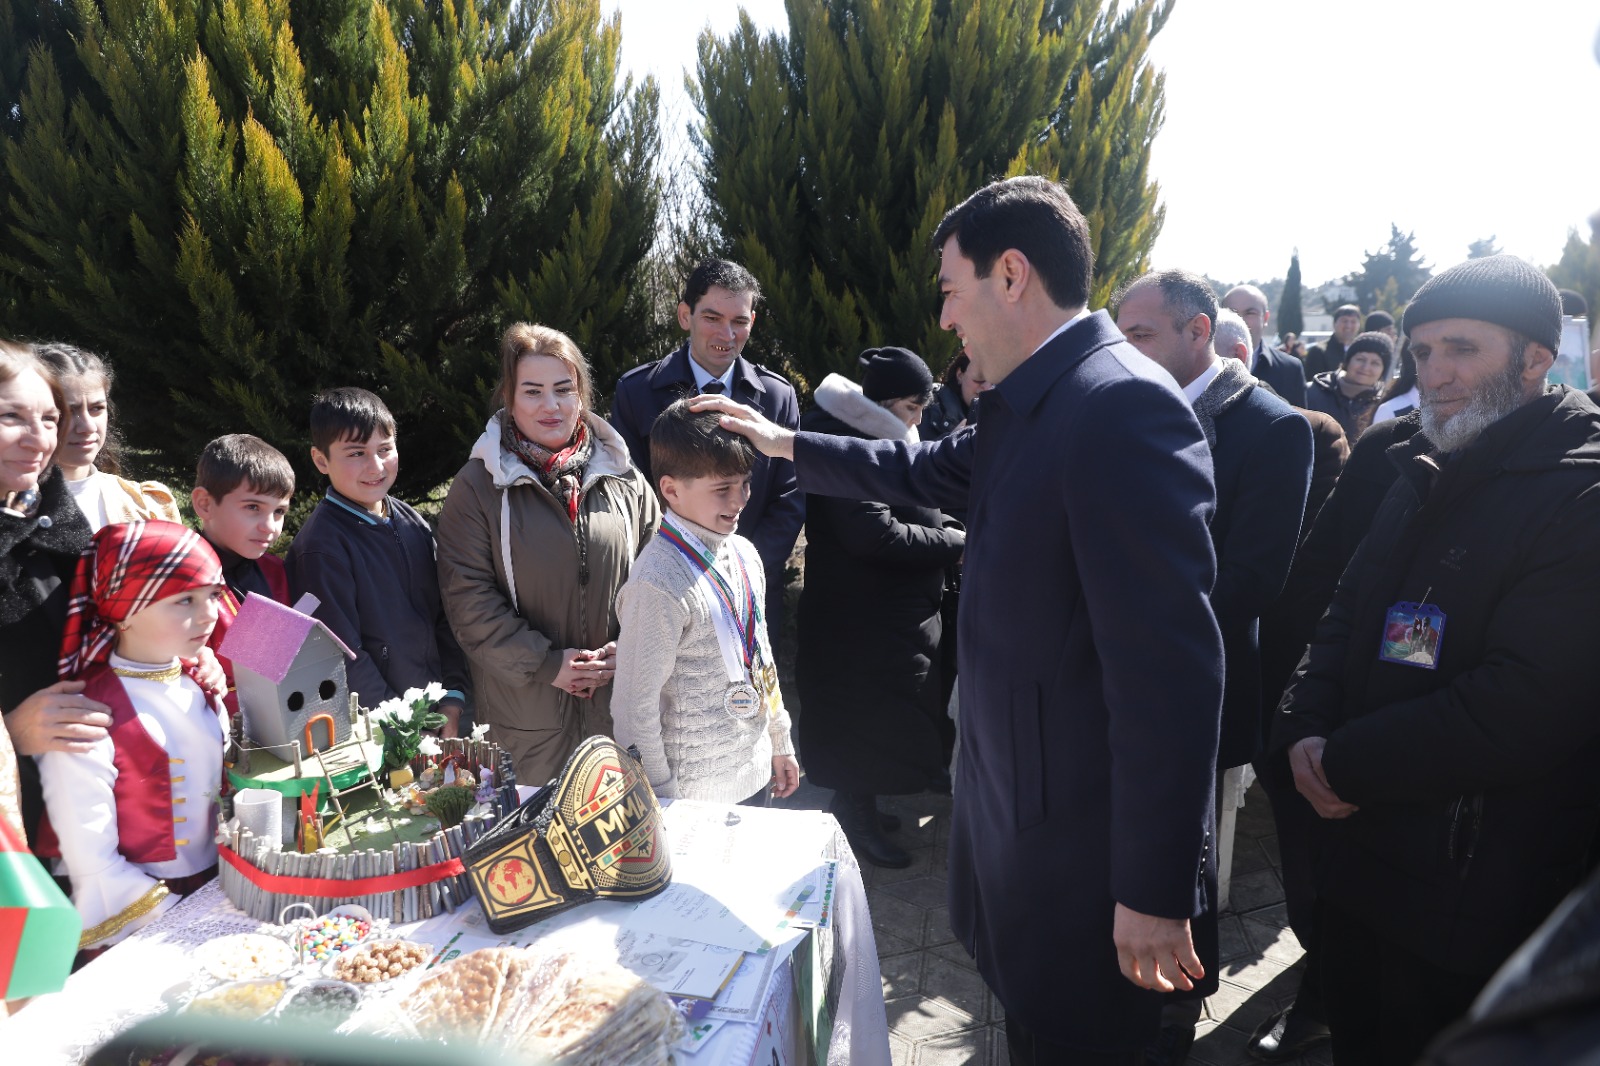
944,413
38,557
869,622
1323,358
1475,779
1330,449
1353,413
1261,456
378,591
1282,371
521,584
1086,631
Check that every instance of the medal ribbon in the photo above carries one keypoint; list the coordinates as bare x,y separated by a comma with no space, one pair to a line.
745,622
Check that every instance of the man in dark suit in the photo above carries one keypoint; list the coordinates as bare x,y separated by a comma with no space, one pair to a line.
717,310
1329,355
1276,367
1090,661
1261,454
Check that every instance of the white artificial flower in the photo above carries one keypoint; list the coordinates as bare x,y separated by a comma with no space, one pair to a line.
429,746
480,730
389,711
434,692
412,695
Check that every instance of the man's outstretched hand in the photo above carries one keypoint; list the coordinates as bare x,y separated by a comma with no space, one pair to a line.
1155,952
768,437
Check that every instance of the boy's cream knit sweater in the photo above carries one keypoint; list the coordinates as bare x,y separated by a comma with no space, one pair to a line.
667,694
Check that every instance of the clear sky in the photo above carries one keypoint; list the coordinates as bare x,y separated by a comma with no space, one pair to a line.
1314,123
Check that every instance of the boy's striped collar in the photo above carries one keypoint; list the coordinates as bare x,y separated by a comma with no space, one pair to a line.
338,499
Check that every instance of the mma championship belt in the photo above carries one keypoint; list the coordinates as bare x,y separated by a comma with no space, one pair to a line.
594,833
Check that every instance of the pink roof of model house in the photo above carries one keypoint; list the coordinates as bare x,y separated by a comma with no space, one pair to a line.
266,636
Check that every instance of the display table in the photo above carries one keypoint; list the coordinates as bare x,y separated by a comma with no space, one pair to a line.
812,993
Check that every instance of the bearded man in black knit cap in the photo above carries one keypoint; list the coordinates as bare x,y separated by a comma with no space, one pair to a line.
1454,774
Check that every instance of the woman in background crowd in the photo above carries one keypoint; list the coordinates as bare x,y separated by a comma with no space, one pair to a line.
869,625
952,399
42,534
88,451
1350,394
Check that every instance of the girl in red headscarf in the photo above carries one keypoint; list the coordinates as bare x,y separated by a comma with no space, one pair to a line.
135,816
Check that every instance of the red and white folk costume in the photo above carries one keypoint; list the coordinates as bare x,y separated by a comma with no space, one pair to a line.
135,817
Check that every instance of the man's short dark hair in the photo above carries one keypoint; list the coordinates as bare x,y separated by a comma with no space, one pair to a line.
241,459
720,273
347,414
1185,294
1036,217
686,444
1346,309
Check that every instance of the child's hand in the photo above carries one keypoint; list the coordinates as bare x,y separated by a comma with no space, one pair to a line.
208,673
785,775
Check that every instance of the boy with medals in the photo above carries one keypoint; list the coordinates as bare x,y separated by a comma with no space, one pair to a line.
696,689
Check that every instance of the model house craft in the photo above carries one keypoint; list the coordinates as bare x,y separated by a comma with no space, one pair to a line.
290,675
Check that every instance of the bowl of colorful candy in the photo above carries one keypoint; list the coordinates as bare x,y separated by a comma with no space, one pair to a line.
337,931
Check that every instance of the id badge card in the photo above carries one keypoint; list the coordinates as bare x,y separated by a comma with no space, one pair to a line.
1412,635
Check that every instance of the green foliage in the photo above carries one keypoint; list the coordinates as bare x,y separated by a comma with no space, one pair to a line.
450,804
242,202
1398,262
1483,249
1291,317
829,157
1579,269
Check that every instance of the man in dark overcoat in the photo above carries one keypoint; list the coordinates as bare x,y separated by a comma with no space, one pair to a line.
1090,661
718,310
1276,367
1456,790
1261,456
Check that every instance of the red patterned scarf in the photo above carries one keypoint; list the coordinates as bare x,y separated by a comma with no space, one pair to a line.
128,567
561,472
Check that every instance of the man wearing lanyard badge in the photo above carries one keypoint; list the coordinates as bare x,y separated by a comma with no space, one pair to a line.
1442,724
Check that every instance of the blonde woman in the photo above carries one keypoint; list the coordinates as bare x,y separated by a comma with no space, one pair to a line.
537,535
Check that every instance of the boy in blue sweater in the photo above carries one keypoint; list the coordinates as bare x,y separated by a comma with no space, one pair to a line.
368,558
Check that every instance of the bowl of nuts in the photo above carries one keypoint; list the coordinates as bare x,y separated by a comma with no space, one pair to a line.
245,956
377,961
324,1004
238,1000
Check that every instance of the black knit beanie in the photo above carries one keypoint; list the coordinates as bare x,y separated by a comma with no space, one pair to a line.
1501,289
1377,320
1377,343
895,372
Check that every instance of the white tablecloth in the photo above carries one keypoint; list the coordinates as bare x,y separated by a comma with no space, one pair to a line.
127,984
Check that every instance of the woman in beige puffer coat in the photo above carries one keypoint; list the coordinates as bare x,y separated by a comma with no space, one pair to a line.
537,535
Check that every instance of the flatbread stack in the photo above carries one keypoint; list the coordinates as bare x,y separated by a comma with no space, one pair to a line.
569,1010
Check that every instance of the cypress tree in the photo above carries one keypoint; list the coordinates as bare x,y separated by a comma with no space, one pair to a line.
244,201
1291,318
1397,261
1578,269
829,156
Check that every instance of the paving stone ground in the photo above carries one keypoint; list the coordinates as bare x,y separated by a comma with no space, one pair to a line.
940,1013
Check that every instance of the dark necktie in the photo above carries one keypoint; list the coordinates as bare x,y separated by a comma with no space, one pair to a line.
714,388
